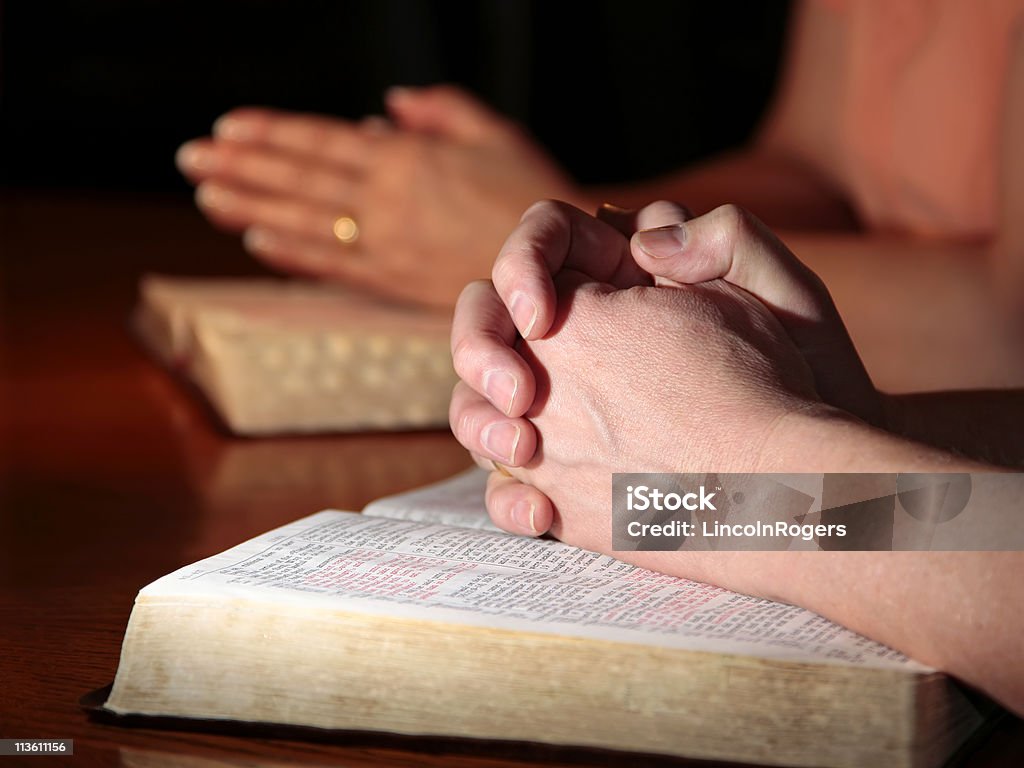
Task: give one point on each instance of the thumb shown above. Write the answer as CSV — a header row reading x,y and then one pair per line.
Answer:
x,y
731,244
444,110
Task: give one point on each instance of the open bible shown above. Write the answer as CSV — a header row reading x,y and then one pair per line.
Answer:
x,y
418,617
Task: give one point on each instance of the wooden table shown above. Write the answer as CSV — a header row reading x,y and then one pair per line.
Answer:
x,y
112,475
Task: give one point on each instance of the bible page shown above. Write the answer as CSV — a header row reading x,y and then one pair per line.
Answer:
x,y
457,500
346,561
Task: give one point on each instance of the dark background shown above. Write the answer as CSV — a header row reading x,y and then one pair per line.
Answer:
x,y
99,94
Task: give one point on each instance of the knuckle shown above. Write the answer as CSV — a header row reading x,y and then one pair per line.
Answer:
x,y
455,412
508,266
735,220
407,151
335,138
465,427
464,357
460,416
728,237
465,296
494,510
548,208
297,176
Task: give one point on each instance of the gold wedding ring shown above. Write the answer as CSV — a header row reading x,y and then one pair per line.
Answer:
x,y
501,469
346,230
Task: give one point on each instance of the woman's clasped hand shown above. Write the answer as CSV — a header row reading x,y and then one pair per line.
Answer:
x,y
286,179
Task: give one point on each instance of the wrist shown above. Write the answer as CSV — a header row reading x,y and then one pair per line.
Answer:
x,y
793,441
820,438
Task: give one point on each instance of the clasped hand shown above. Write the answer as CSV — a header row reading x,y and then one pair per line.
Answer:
x,y
433,190
643,341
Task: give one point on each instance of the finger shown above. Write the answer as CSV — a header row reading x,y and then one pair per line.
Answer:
x,y
195,159
517,507
552,236
269,172
732,244
483,338
235,208
483,462
484,430
445,110
375,125
293,253
326,139
622,220
629,220
298,236
330,261
658,214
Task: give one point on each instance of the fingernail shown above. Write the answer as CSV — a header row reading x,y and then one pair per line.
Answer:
x,y
662,242
524,313
523,513
501,439
500,388
256,239
232,128
211,196
195,157
612,208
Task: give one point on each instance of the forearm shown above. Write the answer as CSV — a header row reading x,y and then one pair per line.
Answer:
x,y
780,190
828,440
957,611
